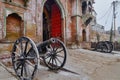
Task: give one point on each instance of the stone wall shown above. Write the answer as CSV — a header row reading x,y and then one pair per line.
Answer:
x,y
32,18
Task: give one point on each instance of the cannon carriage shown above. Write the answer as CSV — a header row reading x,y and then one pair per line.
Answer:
x,y
104,46
26,56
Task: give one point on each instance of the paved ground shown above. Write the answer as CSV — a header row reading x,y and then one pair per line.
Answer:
x,y
5,74
89,65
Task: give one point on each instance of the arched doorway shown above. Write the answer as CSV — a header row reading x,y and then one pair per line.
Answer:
x,y
52,23
84,35
14,27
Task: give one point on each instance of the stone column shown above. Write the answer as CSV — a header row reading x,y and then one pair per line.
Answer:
x,y
76,22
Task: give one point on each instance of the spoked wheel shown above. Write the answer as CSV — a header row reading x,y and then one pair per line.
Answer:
x,y
104,48
99,47
25,58
110,48
55,57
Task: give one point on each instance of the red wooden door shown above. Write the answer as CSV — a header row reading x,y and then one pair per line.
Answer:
x,y
56,22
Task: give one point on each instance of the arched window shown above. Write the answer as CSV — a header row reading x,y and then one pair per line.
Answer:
x,y
14,27
90,7
88,21
84,7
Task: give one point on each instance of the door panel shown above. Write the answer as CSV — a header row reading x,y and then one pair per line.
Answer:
x,y
56,22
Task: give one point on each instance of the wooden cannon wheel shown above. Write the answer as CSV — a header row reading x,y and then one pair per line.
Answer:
x,y
25,58
110,47
56,53
104,46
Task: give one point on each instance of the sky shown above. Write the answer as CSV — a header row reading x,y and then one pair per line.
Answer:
x,y
104,12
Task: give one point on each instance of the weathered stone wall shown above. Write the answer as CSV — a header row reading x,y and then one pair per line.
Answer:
x,y
28,16
32,17
30,20
2,20
102,36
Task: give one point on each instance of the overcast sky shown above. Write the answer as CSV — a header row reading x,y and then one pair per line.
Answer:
x,y
104,13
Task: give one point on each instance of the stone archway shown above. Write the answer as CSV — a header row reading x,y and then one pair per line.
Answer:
x,y
14,27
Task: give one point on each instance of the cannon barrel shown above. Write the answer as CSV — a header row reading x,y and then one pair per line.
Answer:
x,y
47,42
42,46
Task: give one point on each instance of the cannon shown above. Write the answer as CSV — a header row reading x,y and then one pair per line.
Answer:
x,y
104,46
26,56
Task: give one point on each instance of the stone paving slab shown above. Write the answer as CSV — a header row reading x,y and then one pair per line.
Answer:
x,y
4,74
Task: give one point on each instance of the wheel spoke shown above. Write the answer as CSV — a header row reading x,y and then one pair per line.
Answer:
x,y
58,60
22,69
16,54
29,58
21,46
59,51
18,66
49,60
47,56
25,70
30,63
59,56
52,63
18,50
26,44
56,48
